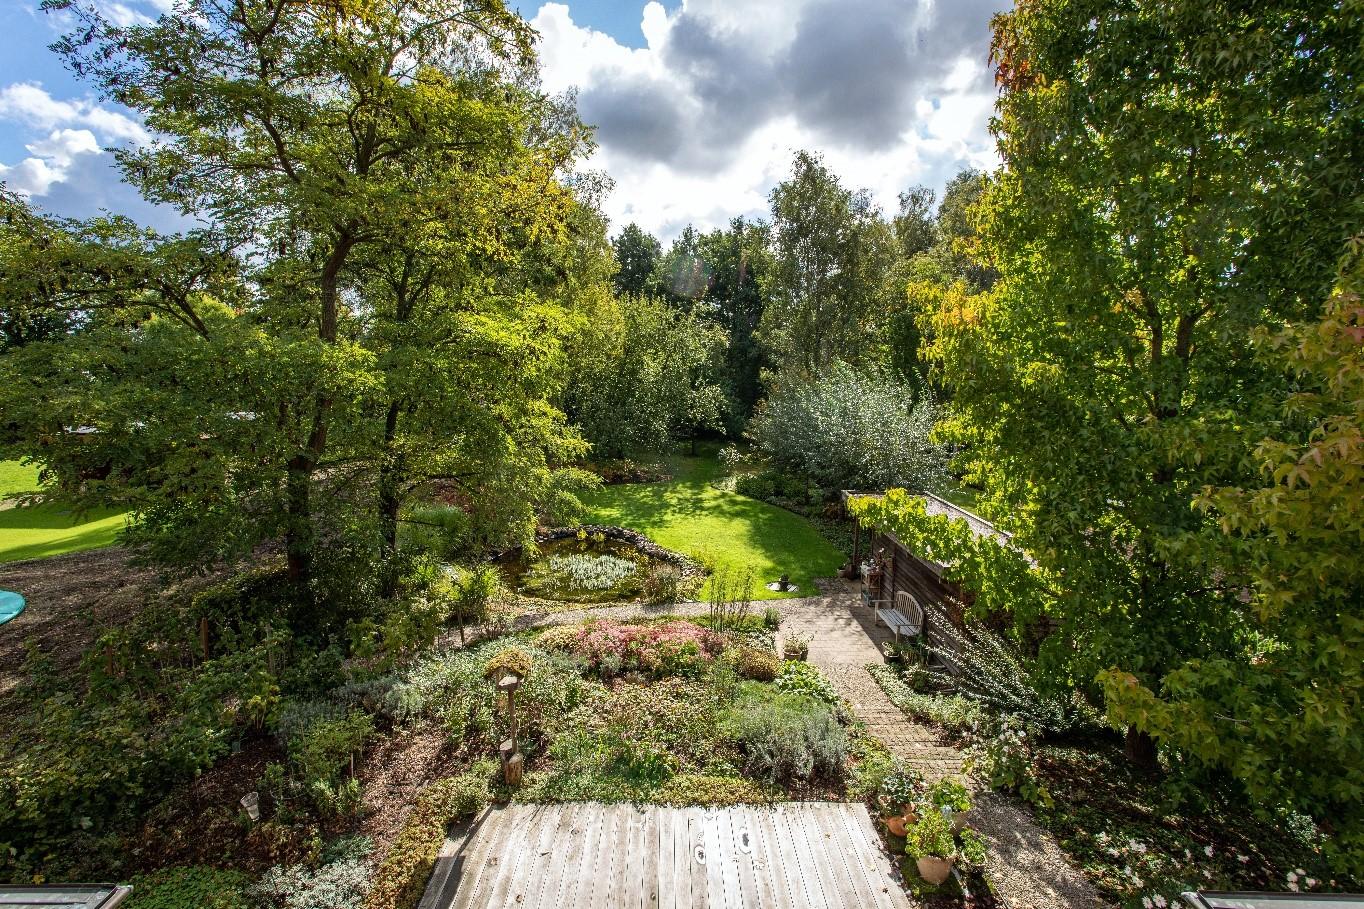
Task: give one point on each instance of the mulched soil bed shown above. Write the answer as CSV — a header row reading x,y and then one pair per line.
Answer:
x,y
72,599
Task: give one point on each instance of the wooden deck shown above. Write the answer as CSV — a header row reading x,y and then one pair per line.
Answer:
x,y
589,855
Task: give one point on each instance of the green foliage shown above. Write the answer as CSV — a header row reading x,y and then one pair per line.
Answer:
x,y
80,763
326,747
189,888
340,883
629,741
1141,229
992,671
644,375
785,738
972,849
901,786
846,429
284,409
948,796
930,835
1281,714
1006,761
831,246
403,872
801,678
951,712
637,259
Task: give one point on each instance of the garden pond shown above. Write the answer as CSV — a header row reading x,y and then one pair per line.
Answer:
x,y
591,567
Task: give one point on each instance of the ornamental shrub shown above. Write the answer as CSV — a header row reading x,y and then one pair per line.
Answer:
x,y
799,677
846,429
785,738
755,664
990,670
1006,760
326,747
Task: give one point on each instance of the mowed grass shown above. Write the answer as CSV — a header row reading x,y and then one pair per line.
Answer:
x,y
723,530
39,531
17,477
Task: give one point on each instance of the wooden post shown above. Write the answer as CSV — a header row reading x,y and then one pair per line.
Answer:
x,y
203,635
513,763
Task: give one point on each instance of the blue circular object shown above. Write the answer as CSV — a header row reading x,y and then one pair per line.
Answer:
x,y
11,604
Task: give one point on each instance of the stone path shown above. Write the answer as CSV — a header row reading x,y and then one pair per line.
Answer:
x,y
1026,867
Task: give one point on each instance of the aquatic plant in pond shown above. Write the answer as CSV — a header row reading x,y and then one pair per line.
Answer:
x,y
599,565
582,571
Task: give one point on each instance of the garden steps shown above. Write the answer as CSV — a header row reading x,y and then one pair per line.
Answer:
x,y
793,855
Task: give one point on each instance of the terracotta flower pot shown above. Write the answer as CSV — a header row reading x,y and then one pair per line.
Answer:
x,y
895,824
934,870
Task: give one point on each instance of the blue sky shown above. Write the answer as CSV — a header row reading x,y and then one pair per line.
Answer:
x,y
699,104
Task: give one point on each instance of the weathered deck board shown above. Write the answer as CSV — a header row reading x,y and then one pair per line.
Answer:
x,y
817,855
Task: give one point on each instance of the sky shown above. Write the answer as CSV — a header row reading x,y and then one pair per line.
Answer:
x,y
699,106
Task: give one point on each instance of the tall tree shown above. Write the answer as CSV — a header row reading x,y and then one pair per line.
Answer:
x,y
915,228
637,256
832,248
645,375
739,264
1148,217
321,141
684,275
956,234
1283,715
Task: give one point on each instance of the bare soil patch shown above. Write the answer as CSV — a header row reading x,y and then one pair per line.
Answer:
x,y
72,599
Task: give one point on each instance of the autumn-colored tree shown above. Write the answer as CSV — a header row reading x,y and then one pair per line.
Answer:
x,y
1283,715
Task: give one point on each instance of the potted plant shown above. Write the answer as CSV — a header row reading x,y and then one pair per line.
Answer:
x,y
952,799
796,646
899,792
931,844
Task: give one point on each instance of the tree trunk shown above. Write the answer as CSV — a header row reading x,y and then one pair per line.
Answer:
x,y
1140,749
390,473
298,532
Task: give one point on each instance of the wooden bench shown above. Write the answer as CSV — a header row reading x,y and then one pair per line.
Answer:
x,y
906,618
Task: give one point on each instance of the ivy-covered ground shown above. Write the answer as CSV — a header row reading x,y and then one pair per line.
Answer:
x,y
727,532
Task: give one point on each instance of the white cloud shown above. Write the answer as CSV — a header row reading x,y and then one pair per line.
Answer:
x,y
51,161
700,123
30,104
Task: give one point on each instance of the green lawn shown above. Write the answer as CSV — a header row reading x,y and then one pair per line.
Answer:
x,y
47,530
16,478
720,529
